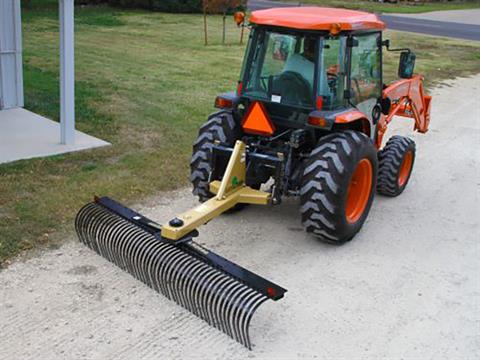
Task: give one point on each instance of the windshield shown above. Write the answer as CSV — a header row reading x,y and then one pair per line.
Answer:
x,y
282,69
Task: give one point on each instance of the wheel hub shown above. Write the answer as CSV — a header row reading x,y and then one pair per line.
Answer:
x,y
405,168
359,190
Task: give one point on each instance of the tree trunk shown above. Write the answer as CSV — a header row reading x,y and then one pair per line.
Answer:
x,y
205,30
223,33
241,35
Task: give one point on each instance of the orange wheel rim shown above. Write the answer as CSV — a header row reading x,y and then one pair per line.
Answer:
x,y
405,168
359,191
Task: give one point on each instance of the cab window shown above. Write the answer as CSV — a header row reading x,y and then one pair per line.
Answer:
x,y
332,68
365,78
282,69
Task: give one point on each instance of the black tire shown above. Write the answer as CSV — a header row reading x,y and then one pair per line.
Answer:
x,y
326,181
396,161
220,126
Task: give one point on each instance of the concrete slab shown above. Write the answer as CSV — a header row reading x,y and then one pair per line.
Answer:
x,y
26,135
470,16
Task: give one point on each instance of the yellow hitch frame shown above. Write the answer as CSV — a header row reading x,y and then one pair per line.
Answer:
x,y
228,193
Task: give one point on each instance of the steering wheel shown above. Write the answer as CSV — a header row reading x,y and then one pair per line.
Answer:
x,y
294,88
264,82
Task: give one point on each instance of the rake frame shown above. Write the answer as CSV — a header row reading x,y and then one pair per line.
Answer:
x,y
186,243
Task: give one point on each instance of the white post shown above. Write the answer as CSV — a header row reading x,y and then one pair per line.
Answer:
x,y
67,73
18,50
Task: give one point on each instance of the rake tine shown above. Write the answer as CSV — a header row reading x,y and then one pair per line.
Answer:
x,y
216,300
259,301
209,296
239,313
204,294
234,309
175,277
226,303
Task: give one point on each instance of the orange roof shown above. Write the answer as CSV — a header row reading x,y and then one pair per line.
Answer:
x,y
317,18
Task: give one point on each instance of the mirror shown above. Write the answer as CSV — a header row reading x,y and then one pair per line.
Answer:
x,y
407,64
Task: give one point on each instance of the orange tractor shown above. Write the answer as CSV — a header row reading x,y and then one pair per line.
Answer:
x,y
311,95
307,119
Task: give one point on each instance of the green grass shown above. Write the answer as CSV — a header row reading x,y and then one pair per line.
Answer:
x,y
401,7
145,83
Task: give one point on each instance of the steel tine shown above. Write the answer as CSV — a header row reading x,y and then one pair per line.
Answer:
x,y
209,298
167,250
204,292
176,274
195,291
150,265
239,312
217,298
243,315
252,310
186,280
163,268
232,311
226,303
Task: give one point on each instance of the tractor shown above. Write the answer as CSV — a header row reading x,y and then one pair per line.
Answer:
x,y
307,119
312,109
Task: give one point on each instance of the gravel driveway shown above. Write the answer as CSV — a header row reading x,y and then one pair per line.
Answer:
x,y
407,287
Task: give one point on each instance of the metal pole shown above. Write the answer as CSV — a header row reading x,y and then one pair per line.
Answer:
x,y
67,73
18,53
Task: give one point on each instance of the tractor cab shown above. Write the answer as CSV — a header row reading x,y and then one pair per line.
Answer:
x,y
302,61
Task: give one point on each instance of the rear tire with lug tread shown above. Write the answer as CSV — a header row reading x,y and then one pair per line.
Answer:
x,y
222,127
338,186
396,161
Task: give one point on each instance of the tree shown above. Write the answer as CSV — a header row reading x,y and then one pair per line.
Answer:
x,y
220,7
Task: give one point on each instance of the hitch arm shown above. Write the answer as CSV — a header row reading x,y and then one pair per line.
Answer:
x,y
228,193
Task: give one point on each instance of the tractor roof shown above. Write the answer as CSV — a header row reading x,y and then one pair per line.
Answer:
x,y
317,18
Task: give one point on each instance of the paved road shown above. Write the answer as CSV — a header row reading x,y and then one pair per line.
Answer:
x,y
433,27
402,23
468,16
267,4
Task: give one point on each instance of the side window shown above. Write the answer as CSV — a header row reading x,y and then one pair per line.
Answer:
x,y
366,68
331,83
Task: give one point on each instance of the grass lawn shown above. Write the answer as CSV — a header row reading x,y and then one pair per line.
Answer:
x,y
401,7
145,83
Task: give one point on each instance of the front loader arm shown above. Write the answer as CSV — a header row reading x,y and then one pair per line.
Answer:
x,y
408,99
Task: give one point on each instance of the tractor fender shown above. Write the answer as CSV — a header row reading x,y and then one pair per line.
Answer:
x,y
220,112
354,119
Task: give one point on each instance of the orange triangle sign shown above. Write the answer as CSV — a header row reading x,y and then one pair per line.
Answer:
x,y
257,121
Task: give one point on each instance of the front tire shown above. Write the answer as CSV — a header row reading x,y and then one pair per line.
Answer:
x,y
338,186
395,165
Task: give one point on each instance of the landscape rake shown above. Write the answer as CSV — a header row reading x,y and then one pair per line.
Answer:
x,y
210,286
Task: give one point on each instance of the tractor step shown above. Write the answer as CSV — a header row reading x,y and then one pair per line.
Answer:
x,y
213,288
